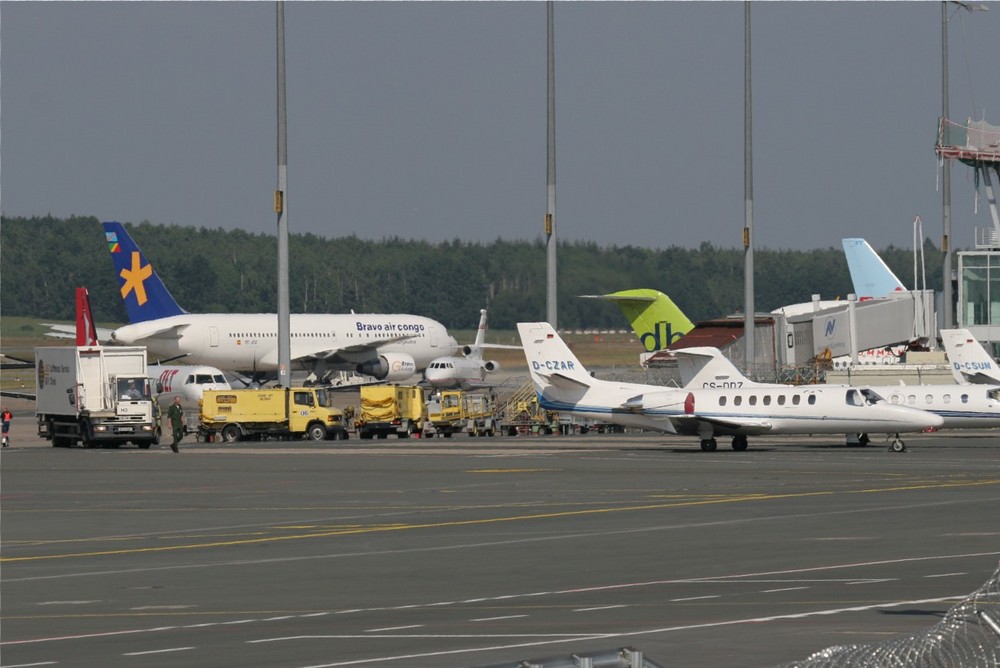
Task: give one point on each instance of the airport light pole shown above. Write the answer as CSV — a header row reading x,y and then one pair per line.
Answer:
x,y
550,171
748,304
281,208
947,296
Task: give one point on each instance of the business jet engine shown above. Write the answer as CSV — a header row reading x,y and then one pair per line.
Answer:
x,y
389,366
490,366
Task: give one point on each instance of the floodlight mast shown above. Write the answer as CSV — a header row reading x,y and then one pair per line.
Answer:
x,y
281,208
947,296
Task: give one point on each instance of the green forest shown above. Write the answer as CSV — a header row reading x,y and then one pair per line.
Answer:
x,y
43,259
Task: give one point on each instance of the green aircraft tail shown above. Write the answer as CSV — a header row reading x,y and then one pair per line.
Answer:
x,y
655,318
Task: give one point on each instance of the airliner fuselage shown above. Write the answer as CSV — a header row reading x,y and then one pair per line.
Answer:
x,y
248,342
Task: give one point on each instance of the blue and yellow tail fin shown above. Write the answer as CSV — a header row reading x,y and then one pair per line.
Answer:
x,y
654,317
145,296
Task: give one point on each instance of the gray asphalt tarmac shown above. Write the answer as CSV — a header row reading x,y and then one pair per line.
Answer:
x,y
469,552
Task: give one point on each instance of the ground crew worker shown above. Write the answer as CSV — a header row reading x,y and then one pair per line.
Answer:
x,y
5,417
176,416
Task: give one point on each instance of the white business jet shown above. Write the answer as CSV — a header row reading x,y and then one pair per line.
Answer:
x,y
565,386
959,406
469,370
390,347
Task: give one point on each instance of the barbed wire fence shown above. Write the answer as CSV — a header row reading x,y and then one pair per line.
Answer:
x,y
967,636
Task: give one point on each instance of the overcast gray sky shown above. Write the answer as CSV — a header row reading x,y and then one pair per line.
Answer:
x,y
426,120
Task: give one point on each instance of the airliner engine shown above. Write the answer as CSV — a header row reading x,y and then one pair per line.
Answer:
x,y
390,366
491,366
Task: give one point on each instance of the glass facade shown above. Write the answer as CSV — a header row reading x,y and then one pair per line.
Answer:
x,y
978,308
979,288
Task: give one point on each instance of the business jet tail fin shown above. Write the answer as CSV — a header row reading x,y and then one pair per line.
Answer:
x,y
706,367
145,296
552,365
970,361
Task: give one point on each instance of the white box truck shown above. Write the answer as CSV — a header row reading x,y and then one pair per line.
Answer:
x,y
95,395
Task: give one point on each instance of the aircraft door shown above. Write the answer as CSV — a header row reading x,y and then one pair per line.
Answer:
x,y
213,337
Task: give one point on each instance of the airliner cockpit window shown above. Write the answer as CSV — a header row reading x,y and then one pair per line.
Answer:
x,y
994,394
219,378
204,379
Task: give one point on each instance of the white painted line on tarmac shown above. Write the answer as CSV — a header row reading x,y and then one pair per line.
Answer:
x,y
604,636
29,665
394,628
775,591
944,575
158,651
493,619
692,598
603,607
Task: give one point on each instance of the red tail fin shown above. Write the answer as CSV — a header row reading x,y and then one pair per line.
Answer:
x,y
86,332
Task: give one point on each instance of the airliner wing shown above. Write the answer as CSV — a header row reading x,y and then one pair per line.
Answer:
x,y
17,395
57,331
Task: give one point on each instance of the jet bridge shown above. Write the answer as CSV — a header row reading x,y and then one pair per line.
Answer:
x,y
798,345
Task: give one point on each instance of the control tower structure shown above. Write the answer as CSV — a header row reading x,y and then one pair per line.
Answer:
x,y
977,144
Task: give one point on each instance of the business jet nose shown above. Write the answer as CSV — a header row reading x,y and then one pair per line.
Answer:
x,y
922,419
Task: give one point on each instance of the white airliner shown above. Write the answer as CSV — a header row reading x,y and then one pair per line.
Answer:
x,y
467,371
565,386
959,406
970,361
187,382
390,347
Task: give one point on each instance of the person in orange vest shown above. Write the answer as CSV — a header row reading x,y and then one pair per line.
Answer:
x,y
5,417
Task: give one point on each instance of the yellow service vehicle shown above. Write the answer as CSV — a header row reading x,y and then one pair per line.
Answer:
x,y
291,412
391,409
454,412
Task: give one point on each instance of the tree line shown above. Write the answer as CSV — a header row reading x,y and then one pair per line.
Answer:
x,y
43,259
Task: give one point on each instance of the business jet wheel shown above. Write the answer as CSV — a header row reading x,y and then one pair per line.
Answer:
x,y
863,440
739,443
897,445
708,444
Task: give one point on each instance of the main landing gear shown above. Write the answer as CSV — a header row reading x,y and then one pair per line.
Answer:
x,y
710,444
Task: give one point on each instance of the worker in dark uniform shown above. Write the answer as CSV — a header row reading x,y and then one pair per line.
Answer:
x,y
176,416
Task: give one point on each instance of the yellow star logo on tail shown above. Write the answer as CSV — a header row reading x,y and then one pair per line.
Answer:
x,y
134,278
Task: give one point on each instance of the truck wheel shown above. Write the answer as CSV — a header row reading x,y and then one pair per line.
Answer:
x,y
231,433
316,432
